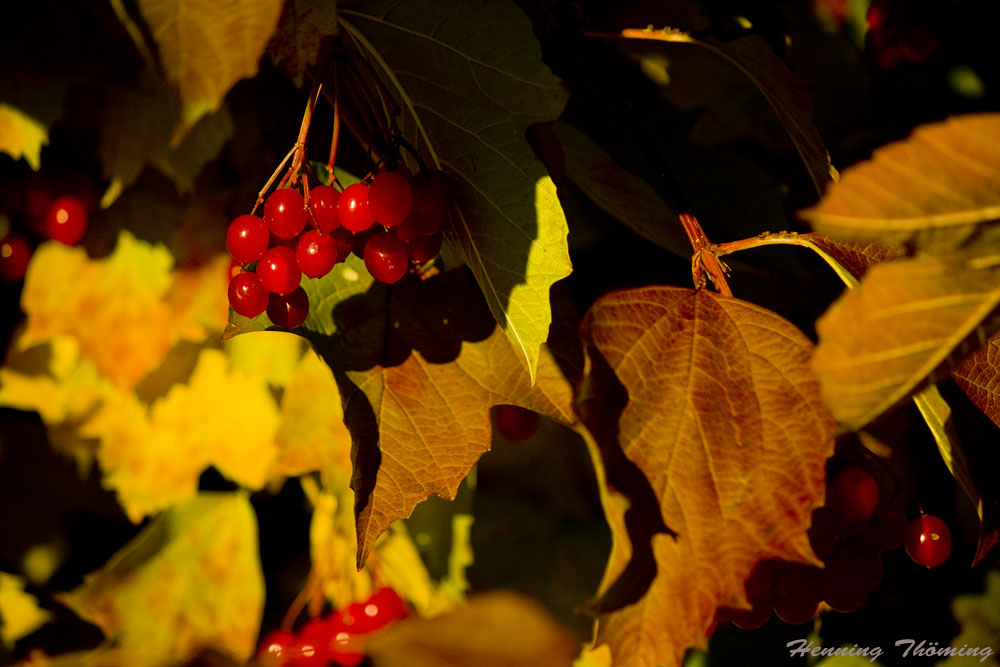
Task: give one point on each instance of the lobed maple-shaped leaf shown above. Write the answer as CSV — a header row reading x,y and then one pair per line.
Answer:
x,y
725,420
491,630
206,46
471,80
935,191
296,42
906,323
22,136
191,580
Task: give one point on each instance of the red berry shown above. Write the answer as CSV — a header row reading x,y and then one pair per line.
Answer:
x,y
386,257
277,648
352,208
878,14
928,541
344,240
285,214
853,494
917,43
313,645
795,610
886,528
360,240
15,253
823,534
290,310
425,248
390,198
853,565
247,295
753,618
247,238
278,271
761,581
323,202
384,607
316,253
346,645
516,423
66,220
431,193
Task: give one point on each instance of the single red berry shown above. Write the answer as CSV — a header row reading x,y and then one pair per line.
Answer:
x,y
878,14
316,253
853,494
431,193
323,202
278,271
384,607
247,238
247,295
312,647
928,541
285,213
917,42
344,240
352,208
66,220
347,644
15,253
277,648
761,581
883,48
823,534
386,257
516,423
425,248
288,311
390,198
753,618
795,610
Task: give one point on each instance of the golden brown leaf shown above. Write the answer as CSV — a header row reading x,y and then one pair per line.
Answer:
x,y
492,630
857,257
931,191
22,136
191,580
725,420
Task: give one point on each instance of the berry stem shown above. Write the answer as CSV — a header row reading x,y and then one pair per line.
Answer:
x,y
267,186
704,259
336,125
787,238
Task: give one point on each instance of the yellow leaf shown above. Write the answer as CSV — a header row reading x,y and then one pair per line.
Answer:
x,y
271,356
153,456
115,307
191,580
207,46
20,614
22,136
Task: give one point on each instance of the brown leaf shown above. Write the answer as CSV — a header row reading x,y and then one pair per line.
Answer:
x,y
856,257
724,419
905,322
492,630
932,191
303,25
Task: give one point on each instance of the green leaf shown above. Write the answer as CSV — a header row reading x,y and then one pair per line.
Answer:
x,y
471,81
619,193
191,580
979,617
207,46
935,191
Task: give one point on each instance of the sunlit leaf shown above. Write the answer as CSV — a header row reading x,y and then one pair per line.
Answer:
x,y
856,257
471,81
20,614
22,136
191,580
725,420
933,191
978,616
208,46
303,25
493,630
620,194
152,456
905,324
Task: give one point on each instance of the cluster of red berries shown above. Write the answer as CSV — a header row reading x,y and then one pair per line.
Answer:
x,y
337,638
848,534
391,222
899,30
63,219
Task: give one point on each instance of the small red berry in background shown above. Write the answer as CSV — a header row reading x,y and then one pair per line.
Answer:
x,y
323,202
15,253
853,494
390,198
928,541
277,648
278,270
352,208
516,423
316,253
247,238
247,295
425,248
285,214
66,220
386,257
288,311
344,241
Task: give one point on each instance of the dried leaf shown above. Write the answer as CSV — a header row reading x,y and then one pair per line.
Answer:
x,y
191,580
207,46
492,630
906,322
443,59
725,420
22,136
933,191
20,614
303,25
